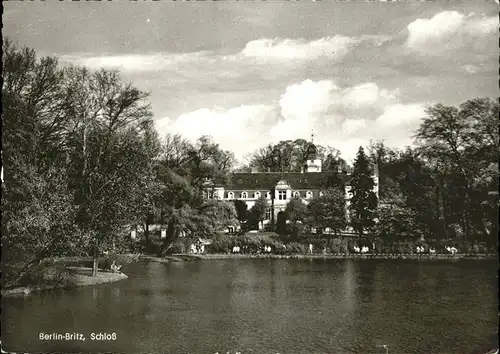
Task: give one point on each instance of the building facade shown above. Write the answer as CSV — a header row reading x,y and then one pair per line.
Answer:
x,y
280,187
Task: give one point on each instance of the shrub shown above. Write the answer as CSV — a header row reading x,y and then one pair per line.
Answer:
x,y
335,246
296,248
276,246
42,275
176,248
220,244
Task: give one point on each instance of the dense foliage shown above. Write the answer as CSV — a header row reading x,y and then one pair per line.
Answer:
x,y
328,211
363,201
83,165
257,213
291,156
447,186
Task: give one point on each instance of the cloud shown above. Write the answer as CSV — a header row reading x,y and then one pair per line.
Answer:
x,y
138,62
401,115
163,125
293,51
351,126
300,50
301,105
333,47
449,30
342,117
307,98
345,117
395,127
366,95
323,106
240,129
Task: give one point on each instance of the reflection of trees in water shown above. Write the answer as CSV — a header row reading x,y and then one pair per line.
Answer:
x,y
350,285
272,283
115,293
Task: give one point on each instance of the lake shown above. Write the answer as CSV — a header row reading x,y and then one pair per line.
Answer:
x,y
268,306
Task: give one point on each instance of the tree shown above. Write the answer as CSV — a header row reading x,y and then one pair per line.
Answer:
x,y
148,202
241,210
363,199
209,161
295,211
273,157
38,211
387,160
185,172
459,144
327,211
176,152
34,126
107,153
37,220
291,156
281,223
214,216
179,200
397,221
257,212
331,159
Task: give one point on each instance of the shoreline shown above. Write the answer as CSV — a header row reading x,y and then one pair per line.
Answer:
x,y
78,279
433,257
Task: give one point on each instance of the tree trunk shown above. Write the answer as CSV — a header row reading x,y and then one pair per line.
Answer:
x,y
95,263
146,233
170,235
440,209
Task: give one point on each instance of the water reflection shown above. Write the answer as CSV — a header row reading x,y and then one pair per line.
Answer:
x,y
349,282
287,306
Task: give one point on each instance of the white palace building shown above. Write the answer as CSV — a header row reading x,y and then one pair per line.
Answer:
x,y
249,187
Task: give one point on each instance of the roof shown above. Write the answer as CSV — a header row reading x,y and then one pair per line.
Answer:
x,y
282,184
265,181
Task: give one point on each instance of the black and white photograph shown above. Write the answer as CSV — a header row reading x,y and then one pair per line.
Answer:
x,y
250,177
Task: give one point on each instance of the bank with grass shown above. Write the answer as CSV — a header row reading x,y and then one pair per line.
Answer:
x,y
430,257
69,272
75,276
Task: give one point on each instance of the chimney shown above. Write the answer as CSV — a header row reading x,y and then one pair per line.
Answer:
x,y
269,169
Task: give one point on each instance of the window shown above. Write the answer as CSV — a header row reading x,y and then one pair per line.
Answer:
x,y
309,195
256,195
268,214
216,195
281,195
244,195
230,195
268,195
296,194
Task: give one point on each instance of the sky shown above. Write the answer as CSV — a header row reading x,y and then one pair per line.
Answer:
x,y
253,72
